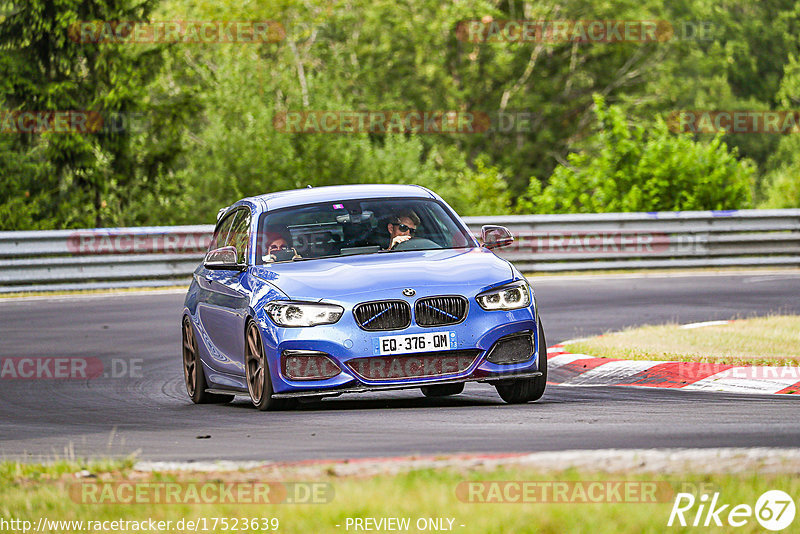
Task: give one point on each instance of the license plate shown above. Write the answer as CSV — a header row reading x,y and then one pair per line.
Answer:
x,y
411,343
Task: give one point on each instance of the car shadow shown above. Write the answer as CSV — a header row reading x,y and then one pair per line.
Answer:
x,y
353,402
350,403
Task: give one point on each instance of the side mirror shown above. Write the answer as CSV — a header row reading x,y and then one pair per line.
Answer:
x,y
496,236
223,258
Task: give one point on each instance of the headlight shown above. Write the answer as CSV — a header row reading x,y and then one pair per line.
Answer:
x,y
296,314
510,297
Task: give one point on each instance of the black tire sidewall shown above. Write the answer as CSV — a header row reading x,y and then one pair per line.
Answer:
x,y
528,389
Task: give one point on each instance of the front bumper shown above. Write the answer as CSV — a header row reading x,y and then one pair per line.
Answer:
x,y
345,341
365,388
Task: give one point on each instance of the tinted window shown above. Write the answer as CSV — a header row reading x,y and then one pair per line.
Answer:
x,y
239,235
221,233
355,227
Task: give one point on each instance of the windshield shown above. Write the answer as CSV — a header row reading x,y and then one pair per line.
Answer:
x,y
353,227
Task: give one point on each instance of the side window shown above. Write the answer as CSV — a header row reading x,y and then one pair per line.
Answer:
x,y
221,233
239,235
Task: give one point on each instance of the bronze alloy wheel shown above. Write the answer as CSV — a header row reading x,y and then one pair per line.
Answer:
x,y
189,358
255,364
193,375
257,372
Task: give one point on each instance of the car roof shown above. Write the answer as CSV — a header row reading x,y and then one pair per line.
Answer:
x,y
299,197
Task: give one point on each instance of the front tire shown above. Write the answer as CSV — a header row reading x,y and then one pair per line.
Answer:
x,y
442,390
259,383
193,375
527,389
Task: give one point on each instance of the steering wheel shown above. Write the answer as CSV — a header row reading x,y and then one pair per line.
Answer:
x,y
417,243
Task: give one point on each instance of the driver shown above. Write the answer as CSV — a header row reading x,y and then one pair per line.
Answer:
x,y
402,227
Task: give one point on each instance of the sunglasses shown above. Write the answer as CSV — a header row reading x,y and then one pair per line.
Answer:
x,y
405,228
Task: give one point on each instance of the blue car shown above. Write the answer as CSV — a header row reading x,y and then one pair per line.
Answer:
x,y
323,291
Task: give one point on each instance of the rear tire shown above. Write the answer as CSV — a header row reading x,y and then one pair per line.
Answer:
x,y
193,375
527,389
443,390
259,383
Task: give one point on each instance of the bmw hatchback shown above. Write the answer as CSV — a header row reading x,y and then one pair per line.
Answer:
x,y
319,292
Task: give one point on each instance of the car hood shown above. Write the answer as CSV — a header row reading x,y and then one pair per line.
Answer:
x,y
471,270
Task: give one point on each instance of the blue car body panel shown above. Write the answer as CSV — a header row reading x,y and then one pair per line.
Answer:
x,y
220,302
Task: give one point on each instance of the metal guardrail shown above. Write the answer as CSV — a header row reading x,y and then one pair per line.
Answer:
x,y
130,257
651,240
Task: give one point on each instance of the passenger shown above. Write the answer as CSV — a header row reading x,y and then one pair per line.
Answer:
x,y
278,249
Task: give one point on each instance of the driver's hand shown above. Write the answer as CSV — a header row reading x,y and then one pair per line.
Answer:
x,y
399,239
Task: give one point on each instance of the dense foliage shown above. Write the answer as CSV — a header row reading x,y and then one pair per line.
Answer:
x,y
584,123
641,169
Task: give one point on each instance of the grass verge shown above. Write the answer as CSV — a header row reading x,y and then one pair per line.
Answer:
x,y
31,492
773,340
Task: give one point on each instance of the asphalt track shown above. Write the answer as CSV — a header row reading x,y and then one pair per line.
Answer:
x,y
151,415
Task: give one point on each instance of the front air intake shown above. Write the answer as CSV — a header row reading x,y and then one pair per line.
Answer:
x,y
514,348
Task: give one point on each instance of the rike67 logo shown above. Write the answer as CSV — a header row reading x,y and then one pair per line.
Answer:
x,y
774,510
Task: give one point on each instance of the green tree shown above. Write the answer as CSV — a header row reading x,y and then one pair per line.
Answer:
x,y
92,178
384,54
638,168
781,185
237,150
209,108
